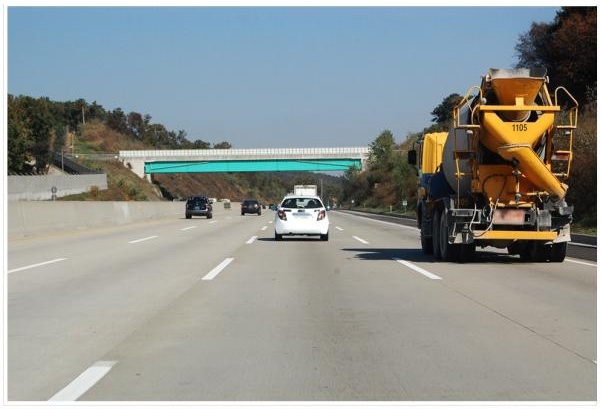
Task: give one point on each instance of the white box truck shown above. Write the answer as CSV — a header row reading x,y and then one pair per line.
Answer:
x,y
305,190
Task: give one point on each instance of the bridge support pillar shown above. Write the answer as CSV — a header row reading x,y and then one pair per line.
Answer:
x,y
136,166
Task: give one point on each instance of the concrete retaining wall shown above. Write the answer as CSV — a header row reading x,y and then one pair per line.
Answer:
x,y
40,187
38,218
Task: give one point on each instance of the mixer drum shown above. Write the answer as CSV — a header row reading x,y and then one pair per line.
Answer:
x,y
458,139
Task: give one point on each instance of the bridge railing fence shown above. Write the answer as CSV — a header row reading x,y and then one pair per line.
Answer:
x,y
247,153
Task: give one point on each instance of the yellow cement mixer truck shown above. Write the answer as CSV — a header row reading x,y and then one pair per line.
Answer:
x,y
498,177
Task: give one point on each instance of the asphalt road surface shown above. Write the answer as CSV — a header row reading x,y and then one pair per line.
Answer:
x,y
217,310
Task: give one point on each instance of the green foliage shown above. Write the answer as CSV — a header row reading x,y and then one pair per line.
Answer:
x,y
567,48
582,192
389,179
443,113
38,125
381,152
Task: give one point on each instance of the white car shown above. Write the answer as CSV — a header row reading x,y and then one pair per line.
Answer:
x,y
301,215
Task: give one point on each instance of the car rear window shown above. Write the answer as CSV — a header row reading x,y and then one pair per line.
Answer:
x,y
197,200
301,203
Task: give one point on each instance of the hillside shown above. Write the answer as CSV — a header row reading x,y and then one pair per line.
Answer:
x,y
123,184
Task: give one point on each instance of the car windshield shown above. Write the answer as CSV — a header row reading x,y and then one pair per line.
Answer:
x,y
301,203
197,200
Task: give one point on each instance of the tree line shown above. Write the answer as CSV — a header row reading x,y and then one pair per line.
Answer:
x,y
38,126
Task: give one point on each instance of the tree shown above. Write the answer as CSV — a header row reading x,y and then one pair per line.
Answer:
x,y
200,144
117,120
381,151
567,48
222,145
443,113
136,125
18,141
40,123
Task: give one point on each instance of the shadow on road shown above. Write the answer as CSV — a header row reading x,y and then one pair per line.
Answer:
x,y
416,255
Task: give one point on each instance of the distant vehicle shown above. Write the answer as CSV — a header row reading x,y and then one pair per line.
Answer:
x,y
212,200
305,190
198,206
250,206
272,206
301,215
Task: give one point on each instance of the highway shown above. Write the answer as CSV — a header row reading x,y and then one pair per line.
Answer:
x,y
216,310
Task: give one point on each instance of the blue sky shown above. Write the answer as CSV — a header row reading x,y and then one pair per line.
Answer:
x,y
261,77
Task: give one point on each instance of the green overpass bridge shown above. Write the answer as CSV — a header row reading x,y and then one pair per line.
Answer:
x,y
145,163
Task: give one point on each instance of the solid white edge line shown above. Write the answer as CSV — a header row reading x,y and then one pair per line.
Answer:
x,y
144,239
188,228
580,262
251,240
84,382
379,221
214,272
360,239
590,246
14,270
418,269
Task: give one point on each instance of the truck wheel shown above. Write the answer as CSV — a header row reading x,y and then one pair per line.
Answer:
x,y
467,252
448,252
524,251
535,251
427,246
558,252
436,235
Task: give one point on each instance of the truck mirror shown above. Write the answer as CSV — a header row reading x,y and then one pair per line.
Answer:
x,y
412,157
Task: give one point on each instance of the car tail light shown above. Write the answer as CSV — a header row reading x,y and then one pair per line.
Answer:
x,y
321,215
282,215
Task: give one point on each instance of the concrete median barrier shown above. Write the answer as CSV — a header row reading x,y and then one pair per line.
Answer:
x,y
39,218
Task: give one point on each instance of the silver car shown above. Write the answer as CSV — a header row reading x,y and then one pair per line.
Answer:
x,y
301,216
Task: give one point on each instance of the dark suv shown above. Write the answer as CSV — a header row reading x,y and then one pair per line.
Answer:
x,y
250,206
198,206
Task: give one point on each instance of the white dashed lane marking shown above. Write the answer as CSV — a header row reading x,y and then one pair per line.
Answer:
x,y
359,239
84,382
141,240
214,272
418,269
35,265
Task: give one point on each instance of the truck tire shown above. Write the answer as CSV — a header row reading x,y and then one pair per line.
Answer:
x,y
535,251
425,236
427,246
558,252
436,234
448,252
467,252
